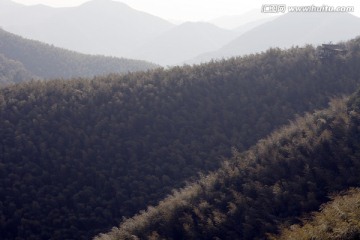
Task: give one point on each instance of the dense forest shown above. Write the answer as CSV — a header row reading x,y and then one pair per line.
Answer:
x,y
79,155
339,219
47,61
289,173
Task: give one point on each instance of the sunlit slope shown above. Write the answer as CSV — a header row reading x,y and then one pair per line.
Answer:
x,y
285,175
338,219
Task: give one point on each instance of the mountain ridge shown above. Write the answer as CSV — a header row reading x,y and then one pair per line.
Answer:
x,y
184,42
75,28
291,29
235,21
48,61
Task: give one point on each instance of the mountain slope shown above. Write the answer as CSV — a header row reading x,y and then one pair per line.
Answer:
x,y
12,71
250,25
184,42
338,219
235,21
90,151
289,173
47,61
291,29
14,14
82,28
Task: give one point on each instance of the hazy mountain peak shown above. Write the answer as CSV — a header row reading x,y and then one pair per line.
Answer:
x,y
190,23
101,4
105,10
235,21
184,42
9,3
116,30
198,25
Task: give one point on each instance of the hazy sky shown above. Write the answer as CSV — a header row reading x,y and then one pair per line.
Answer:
x,y
197,10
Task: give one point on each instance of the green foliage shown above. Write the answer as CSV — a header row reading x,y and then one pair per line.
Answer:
x,y
284,175
339,219
47,61
78,155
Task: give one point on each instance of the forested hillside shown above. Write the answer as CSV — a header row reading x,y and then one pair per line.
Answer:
x,y
283,176
12,71
339,219
78,155
47,61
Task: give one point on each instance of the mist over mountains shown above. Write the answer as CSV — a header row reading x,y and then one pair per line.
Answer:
x,y
185,41
23,59
138,35
234,22
82,28
292,29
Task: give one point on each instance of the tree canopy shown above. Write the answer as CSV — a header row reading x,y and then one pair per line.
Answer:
x,y
287,174
338,219
78,155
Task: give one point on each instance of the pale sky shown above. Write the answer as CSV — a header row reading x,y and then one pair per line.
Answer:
x,y
198,10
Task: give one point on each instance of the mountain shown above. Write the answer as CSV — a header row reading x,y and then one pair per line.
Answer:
x,y
15,14
46,61
83,28
183,42
250,25
291,29
287,174
78,155
235,21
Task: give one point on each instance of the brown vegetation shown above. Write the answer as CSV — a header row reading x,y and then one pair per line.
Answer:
x,y
339,219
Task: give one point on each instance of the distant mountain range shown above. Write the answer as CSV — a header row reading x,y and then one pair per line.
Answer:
x,y
292,29
82,28
112,28
22,59
185,41
128,33
235,21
